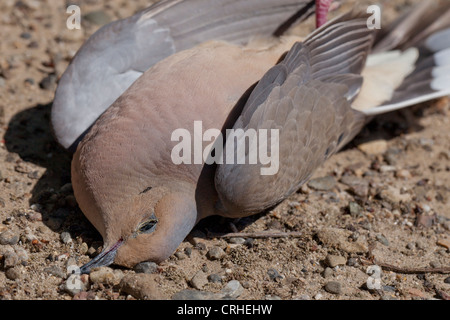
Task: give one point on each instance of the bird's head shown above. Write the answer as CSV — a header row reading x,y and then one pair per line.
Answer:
x,y
137,223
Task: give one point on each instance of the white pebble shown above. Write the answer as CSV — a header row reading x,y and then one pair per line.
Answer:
x,y
318,296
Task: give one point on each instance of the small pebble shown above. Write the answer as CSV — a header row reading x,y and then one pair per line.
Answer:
x,y
196,236
33,45
29,81
199,280
334,287
374,147
447,280
403,174
85,295
411,246
91,251
237,240
13,273
416,292
200,246
328,272
141,286
55,271
382,239
232,290
426,208
424,142
71,262
318,296
180,255
35,216
355,209
274,275
446,225
338,238
215,253
188,251
421,245
215,278
249,242
66,238
435,264
335,260
146,267
105,275
322,184
10,259
33,175
384,169
48,82
394,196
358,186
352,262
8,237
21,254
389,288
84,248
391,156
25,35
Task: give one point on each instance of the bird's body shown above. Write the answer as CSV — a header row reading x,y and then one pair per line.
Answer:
x,y
318,96
214,71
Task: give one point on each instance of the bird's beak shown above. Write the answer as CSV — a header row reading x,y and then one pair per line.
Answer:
x,y
105,258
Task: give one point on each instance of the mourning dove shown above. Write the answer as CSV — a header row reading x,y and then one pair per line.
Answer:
x,y
314,95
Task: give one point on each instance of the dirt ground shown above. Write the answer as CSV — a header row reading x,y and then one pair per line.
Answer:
x,y
385,196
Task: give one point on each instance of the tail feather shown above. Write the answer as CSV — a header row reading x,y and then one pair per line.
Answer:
x,y
430,81
417,24
430,77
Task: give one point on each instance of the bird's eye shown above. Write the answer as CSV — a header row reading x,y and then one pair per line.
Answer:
x,y
149,225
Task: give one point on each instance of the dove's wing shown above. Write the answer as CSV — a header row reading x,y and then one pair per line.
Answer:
x,y
398,79
118,53
306,101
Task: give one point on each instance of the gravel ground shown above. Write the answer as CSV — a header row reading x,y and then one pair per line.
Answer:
x,y
385,197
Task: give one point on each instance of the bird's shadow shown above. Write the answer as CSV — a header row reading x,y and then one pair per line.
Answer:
x,y
30,136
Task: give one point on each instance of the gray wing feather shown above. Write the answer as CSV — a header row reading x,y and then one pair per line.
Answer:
x,y
312,113
118,53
